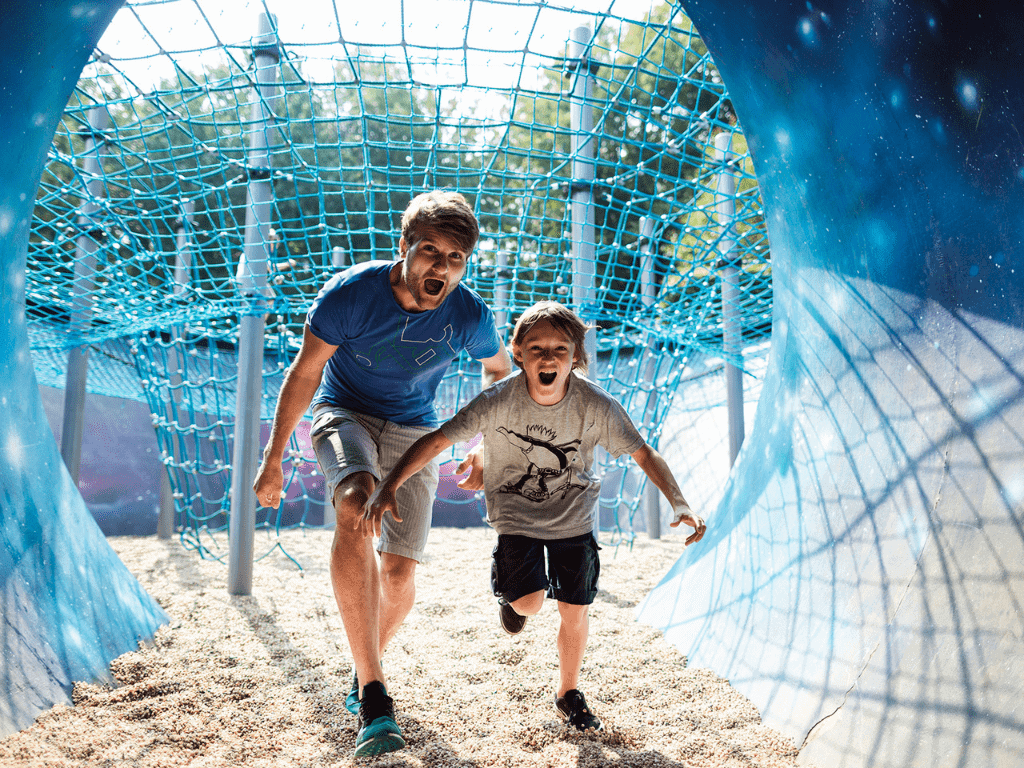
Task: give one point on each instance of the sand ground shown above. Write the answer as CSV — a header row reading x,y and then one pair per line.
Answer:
x,y
261,680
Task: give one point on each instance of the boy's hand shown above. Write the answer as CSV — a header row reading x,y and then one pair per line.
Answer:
x,y
683,514
382,501
474,462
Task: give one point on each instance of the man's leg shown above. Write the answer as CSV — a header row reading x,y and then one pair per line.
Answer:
x,y
397,594
355,577
402,544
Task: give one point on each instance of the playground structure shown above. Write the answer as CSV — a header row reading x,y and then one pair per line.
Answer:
x,y
860,580
227,188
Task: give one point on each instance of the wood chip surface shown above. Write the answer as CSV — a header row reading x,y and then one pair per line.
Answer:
x,y
261,680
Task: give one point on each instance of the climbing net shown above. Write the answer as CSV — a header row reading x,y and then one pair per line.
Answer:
x,y
562,124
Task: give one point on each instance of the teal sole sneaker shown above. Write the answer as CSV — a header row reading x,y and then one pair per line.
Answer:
x,y
380,736
352,700
378,731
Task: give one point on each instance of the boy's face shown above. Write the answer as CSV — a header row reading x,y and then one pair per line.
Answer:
x,y
546,356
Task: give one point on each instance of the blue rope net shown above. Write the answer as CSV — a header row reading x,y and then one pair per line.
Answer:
x,y
139,231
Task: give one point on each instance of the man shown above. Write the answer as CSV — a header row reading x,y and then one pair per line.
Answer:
x,y
377,341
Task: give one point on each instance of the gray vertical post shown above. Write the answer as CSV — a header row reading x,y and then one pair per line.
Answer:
x,y
252,284
581,124
501,283
183,249
338,258
648,296
732,334
338,261
182,278
73,424
581,121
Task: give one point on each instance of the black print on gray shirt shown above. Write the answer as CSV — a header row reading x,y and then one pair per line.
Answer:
x,y
549,463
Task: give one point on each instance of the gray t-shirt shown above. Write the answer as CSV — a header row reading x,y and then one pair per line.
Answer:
x,y
538,459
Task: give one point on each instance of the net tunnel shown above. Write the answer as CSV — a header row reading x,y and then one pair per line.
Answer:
x,y
861,579
68,606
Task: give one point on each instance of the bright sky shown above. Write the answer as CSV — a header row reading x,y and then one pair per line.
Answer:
x,y
497,31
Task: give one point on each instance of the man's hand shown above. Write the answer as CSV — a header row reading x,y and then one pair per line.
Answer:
x,y
474,462
269,484
382,501
683,514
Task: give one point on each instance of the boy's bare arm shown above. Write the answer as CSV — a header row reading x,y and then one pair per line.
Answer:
x,y
655,467
412,461
494,369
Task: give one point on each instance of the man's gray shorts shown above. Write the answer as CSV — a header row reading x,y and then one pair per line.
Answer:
x,y
346,441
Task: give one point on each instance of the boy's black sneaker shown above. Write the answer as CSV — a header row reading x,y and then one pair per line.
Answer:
x,y
378,731
511,621
574,710
352,700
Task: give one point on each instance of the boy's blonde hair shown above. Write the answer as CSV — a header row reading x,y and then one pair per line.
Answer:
x,y
563,319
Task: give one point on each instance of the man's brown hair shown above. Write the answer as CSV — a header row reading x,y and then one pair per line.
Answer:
x,y
563,319
442,211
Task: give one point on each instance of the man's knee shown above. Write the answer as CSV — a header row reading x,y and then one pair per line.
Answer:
x,y
352,494
397,573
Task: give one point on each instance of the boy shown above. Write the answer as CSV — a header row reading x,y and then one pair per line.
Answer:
x,y
540,428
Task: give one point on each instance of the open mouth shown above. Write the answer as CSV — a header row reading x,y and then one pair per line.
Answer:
x,y
547,378
433,287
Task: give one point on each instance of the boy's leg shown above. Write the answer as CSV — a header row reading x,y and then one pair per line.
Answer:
x,y
573,632
518,579
573,569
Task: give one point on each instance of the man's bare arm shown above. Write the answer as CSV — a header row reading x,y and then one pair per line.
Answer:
x,y
300,384
496,368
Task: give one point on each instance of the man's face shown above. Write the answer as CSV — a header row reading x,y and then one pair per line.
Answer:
x,y
431,268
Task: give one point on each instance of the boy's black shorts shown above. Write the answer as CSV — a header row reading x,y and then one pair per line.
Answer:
x,y
573,566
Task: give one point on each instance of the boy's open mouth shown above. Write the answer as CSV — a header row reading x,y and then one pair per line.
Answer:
x,y
432,286
547,378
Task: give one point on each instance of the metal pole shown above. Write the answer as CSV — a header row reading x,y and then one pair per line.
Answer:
x,y
732,333
183,248
338,261
253,285
581,121
182,278
73,424
501,283
581,124
652,496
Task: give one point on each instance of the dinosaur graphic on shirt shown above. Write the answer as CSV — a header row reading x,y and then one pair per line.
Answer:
x,y
548,462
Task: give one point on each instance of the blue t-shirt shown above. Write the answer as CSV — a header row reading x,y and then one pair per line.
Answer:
x,y
389,361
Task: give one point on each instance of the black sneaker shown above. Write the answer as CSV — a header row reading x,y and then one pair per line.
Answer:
x,y
511,621
574,710
352,700
378,731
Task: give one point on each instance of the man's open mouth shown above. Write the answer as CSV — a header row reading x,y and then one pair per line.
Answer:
x,y
433,287
547,378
